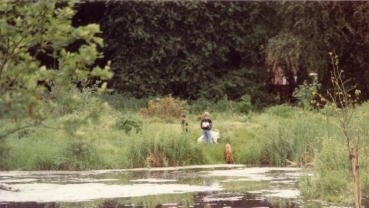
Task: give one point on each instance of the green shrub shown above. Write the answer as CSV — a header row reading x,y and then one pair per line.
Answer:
x,y
164,108
306,94
244,105
127,124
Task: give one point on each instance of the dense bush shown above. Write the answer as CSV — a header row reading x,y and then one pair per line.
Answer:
x,y
165,108
244,105
223,60
307,95
127,124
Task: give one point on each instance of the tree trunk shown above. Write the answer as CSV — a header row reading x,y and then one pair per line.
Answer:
x,y
354,160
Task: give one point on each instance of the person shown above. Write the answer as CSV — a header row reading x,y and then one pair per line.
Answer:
x,y
206,125
184,123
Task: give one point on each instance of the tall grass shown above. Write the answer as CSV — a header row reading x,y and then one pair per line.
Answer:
x,y
332,180
281,135
123,102
121,139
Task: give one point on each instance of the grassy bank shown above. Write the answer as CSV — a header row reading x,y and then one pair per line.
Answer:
x,y
123,138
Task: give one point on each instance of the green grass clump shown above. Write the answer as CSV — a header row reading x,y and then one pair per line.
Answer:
x,y
164,149
37,151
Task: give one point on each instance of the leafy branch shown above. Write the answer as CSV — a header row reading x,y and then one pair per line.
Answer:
x,y
342,98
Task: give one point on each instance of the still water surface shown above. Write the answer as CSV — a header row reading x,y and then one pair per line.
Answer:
x,y
214,186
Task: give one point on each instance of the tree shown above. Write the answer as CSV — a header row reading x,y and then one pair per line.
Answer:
x,y
312,29
30,33
341,96
189,49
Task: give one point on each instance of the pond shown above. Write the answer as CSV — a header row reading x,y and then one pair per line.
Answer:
x,y
204,186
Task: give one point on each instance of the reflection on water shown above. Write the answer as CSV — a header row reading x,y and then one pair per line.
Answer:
x,y
200,187
29,205
237,200
199,200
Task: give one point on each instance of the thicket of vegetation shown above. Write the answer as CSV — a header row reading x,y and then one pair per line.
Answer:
x,y
38,64
210,56
197,49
